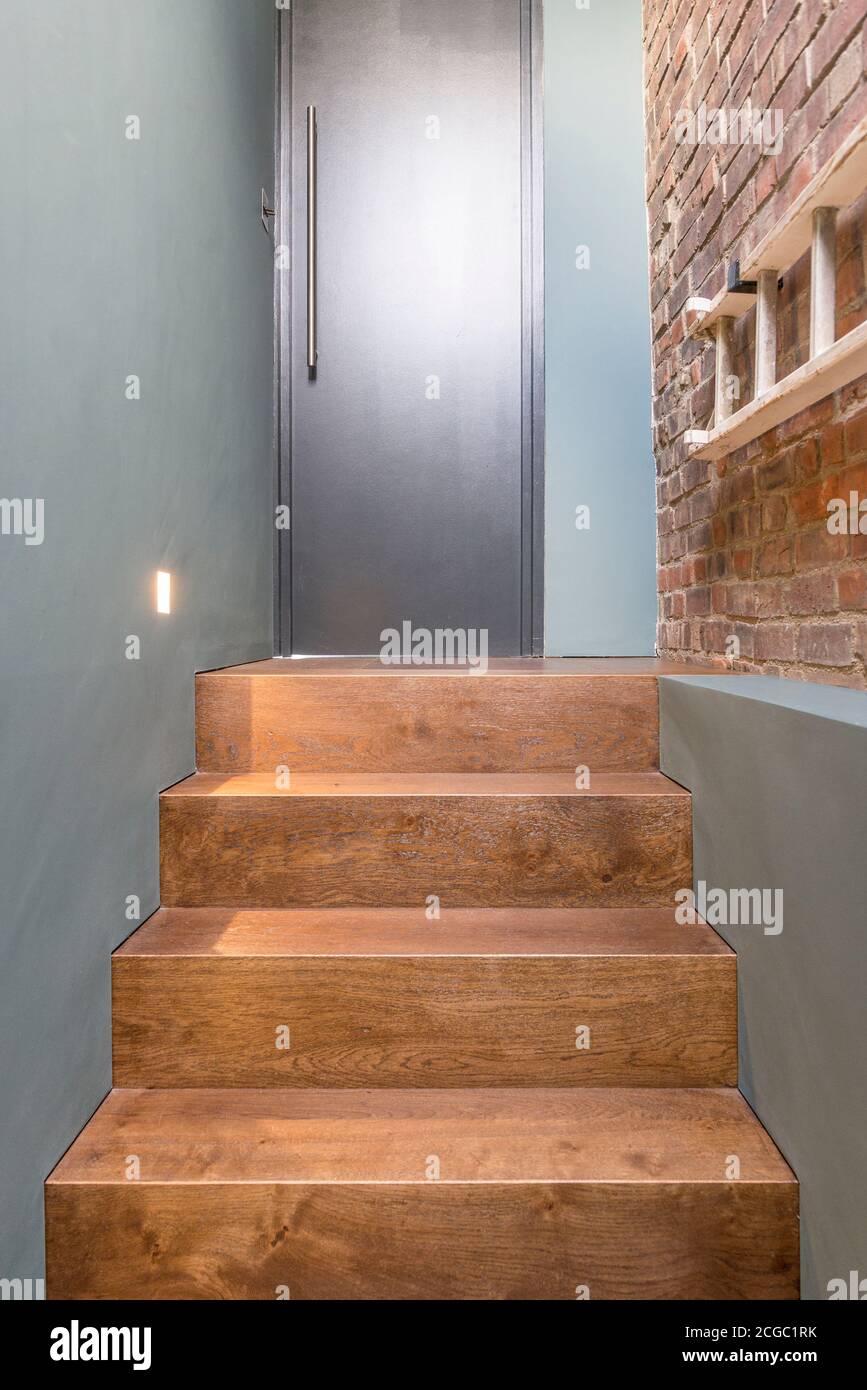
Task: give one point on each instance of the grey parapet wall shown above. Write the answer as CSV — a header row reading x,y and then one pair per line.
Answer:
x,y
135,140
778,773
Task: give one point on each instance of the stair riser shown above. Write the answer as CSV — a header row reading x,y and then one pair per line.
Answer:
x,y
607,851
412,1022
405,723
423,1241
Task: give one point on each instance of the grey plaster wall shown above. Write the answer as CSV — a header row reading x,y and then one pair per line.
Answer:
x,y
778,772
121,257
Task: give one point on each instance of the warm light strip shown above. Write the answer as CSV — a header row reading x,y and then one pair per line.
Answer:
x,y
164,591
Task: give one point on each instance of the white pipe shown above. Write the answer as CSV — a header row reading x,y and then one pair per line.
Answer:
x,y
823,281
766,331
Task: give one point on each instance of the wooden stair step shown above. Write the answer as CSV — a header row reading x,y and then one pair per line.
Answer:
x,y
386,997
470,839
361,716
329,1195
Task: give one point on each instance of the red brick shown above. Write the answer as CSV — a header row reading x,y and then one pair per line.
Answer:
x,y
737,487
775,556
854,480
834,34
769,599
746,637
744,547
856,435
777,472
697,602
745,524
807,458
810,503
814,417
811,593
774,642
826,644
852,588
845,73
695,570
850,281
741,600
702,505
832,445
774,513
819,547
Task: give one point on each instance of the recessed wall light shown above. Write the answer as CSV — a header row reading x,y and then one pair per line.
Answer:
x,y
164,591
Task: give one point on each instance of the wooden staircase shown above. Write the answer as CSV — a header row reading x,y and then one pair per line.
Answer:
x,y
416,1019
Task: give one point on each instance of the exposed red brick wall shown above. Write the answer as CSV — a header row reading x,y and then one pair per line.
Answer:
x,y
744,546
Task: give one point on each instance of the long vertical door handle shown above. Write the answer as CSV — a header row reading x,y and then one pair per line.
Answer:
x,y
312,352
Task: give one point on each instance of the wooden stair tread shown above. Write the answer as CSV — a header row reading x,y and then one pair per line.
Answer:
x,y
393,839
650,667
583,1136
386,998
296,1045
218,933
308,716
428,784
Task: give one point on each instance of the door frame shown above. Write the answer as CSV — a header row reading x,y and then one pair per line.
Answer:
x,y
532,334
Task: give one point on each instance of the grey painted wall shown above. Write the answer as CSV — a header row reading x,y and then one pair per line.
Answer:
x,y
119,257
777,772
600,589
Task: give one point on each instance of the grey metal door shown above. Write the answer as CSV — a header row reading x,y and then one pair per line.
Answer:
x,y
407,454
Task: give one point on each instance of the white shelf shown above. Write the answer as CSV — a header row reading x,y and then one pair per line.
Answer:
x,y
839,183
810,222
727,304
823,374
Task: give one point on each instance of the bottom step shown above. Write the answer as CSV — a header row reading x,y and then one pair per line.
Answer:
x,y
505,1194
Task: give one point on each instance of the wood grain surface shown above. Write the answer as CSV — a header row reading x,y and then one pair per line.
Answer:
x,y
518,1241
480,1135
407,722
243,1193
431,1131
472,840
396,1000
469,931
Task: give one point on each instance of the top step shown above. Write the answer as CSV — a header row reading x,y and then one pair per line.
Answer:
x,y
357,715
